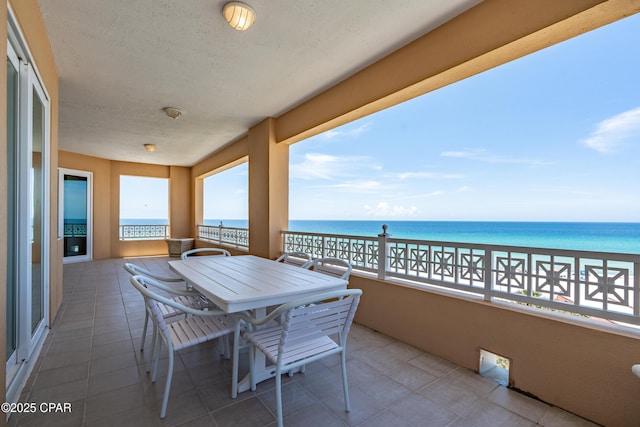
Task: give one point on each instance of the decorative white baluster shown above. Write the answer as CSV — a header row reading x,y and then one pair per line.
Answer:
x,y
383,253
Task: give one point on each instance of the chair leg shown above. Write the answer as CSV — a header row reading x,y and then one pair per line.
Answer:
x,y
345,385
252,362
167,387
153,347
144,330
279,396
156,361
227,347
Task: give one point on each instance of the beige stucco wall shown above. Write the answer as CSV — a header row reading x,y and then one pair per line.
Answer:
x,y
106,203
101,170
181,206
582,368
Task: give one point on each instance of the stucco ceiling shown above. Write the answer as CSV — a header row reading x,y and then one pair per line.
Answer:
x,y
121,61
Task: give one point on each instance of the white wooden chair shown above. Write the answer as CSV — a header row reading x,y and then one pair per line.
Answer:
x,y
303,337
294,258
205,252
188,298
332,266
199,327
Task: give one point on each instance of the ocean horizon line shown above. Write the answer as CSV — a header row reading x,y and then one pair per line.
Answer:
x,y
597,236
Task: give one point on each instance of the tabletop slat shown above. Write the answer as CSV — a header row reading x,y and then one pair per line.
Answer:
x,y
248,282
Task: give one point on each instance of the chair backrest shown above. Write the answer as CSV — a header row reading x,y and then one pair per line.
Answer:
x,y
134,270
324,315
331,266
294,258
151,300
205,251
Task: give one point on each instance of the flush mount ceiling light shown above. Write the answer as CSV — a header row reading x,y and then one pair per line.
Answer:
x,y
172,112
239,15
149,147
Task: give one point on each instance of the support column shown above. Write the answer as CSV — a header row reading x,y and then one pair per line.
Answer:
x,y
268,190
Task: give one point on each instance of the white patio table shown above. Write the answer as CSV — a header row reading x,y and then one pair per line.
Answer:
x,y
248,282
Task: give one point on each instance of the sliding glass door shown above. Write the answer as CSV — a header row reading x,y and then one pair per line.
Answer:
x,y
27,204
75,213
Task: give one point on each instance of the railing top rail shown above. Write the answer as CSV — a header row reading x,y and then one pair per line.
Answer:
x,y
347,236
505,248
223,227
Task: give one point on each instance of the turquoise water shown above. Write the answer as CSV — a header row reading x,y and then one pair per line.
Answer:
x,y
588,236
603,237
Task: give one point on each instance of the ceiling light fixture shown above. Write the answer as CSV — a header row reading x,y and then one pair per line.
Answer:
x,y
172,112
239,15
149,147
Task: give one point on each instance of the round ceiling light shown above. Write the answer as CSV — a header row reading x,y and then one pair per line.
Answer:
x,y
149,147
172,112
239,15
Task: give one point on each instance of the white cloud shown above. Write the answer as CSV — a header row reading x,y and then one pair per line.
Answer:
x,y
383,209
611,133
421,175
346,132
360,186
486,157
327,167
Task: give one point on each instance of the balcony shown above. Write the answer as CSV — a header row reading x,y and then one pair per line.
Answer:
x,y
91,360
430,309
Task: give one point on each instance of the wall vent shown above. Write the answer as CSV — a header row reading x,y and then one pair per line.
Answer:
x,y
494,366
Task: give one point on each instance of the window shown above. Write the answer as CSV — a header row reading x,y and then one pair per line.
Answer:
x,y
144,208
225,197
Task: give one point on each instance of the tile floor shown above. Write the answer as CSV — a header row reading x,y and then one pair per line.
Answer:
x,y
92,360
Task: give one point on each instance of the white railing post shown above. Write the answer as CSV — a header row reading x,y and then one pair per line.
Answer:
x,y
636,288
488,274
384,250
220,233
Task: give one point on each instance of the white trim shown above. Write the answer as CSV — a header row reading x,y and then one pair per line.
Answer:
x,y
89,175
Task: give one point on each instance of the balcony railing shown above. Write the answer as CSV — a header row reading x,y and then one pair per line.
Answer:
x,y
144,232
75,230
230,236
593,284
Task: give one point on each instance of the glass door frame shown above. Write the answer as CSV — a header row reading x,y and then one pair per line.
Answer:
x,y
30,332
89,176
12,360
30,87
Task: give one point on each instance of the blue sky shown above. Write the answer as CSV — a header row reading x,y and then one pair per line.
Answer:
x,y
554,136
144,198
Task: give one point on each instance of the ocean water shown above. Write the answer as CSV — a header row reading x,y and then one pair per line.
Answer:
x,y
587,236
602,237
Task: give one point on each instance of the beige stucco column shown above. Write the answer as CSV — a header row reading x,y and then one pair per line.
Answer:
x,y
268,190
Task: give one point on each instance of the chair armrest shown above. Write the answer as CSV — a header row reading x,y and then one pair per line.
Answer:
x,y
137,281
297,303
168,289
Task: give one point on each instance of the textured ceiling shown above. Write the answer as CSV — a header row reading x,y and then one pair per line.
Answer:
x,y
121,61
